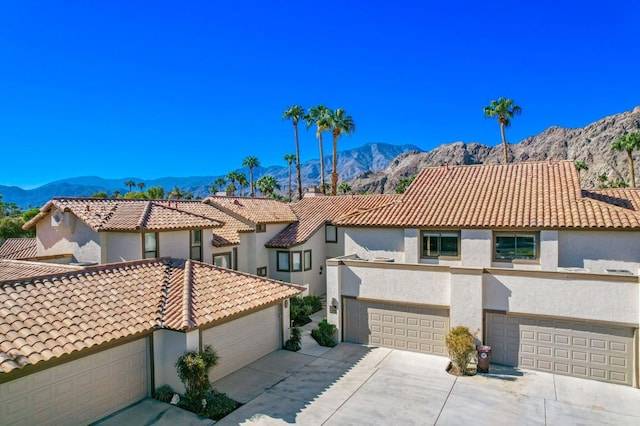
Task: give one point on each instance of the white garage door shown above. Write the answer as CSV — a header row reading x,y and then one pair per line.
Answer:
x,y
417,329
78,392
242,341
573,348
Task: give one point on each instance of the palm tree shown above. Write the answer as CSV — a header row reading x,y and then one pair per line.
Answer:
x,y
176,193
251,162
141,185
242,182
344,187
130,184
155,192
289,159
219,182
340,123
318,115
504,110
233,177
267,184
115,194
295,113
628,142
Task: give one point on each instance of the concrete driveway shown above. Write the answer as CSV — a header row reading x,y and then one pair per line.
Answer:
x,y
355,384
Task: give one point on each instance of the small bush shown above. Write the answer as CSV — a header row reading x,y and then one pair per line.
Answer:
x,y
299,312
314,302
294,344
461,347
164,393
218,405
325,334
193,370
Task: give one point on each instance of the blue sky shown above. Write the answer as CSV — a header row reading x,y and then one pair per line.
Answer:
x,y
150,89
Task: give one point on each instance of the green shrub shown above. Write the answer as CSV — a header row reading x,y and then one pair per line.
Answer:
x,y
461,347
218,405
193,370
294,344
164,393
299,312
314,302
324,334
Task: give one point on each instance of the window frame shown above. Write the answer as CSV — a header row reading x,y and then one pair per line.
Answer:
x,y
144,245
326,233
440,233
279,267
307,266
294,254
192,244
226,254
261,227
261,271
516,235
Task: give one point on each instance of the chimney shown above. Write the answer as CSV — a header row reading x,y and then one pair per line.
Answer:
x,y
550,161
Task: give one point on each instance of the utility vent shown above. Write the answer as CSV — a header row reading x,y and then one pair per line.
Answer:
x,y
382,259
83,263
573,269
618,272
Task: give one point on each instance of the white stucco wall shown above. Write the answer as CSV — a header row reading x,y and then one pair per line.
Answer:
x,y
599,250
564,295
333,249
476,247
168,346
71,236
412,245
121,246
174,244
375,242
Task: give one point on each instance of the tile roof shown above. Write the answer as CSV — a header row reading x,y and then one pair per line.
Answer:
x,y
315,212
18,248
51,316
11,269
519,195
255,210
147,215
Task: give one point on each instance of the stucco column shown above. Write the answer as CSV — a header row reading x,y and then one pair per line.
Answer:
x,y
466,299
411,246
549,250
334,291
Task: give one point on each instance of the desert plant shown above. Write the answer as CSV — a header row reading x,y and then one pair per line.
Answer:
x,y
324,334
294,344
461,347
314,302
164,393
193,370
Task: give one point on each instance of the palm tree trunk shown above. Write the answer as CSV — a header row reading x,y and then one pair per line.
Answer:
x,y
632,172
295,129
321,163
334,172
251,181
504,144
290,183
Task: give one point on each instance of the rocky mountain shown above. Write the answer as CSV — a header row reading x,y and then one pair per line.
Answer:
x,y
591,144
351,163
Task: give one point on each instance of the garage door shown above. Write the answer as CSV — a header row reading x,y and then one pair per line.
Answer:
x,y
415,329
242,341
573,348
78,392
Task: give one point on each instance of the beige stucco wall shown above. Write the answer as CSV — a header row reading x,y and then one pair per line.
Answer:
x,y
121,246
375,242
168,346
599,250
71,236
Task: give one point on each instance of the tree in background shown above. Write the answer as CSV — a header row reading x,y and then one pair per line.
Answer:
x,y
403,184
267,184
176,193
115,194
231,189
503,110
580,166
318,115
233,177
628,142
251,162
100,194
219,183
130,184
242,182
340,123
289,158
155,192
344,187
141,185
295,113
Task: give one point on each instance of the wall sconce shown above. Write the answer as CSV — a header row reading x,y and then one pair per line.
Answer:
x,y
286,303
320,270
333,308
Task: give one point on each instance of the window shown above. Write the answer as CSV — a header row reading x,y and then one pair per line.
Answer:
x,y
222,260
330,234
261,227
235,258
296,261
307,260
283,261
515,246
436,244
195,242
150,245
262,271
